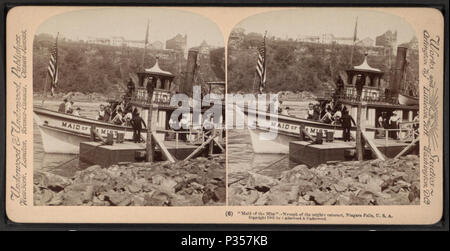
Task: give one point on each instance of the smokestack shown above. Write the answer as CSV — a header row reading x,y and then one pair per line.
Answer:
x,y
191,68
399,69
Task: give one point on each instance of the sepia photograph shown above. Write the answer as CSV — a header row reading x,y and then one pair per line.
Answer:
x,y
225,115
122,101
333,113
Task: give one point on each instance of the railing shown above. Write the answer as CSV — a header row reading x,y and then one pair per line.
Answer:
x,y
406,132
161,97
367,95
195,137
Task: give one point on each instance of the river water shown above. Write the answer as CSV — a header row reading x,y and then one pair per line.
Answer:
x,y
61,164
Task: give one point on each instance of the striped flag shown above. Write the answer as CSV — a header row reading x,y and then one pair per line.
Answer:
x,y
261,65
53,66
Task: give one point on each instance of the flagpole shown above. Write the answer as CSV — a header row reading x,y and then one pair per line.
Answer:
x,y
44,95
263,77
46,75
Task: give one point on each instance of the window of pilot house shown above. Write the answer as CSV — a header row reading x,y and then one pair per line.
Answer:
x,y
405,116
166,84
158,83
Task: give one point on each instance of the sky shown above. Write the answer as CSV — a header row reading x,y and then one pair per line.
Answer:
x,y
131,23
340,22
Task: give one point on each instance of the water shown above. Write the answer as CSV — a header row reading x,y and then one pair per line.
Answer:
x,y
241,158
60,164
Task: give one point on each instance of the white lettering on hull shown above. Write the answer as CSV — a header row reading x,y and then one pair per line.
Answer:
x,y
84,129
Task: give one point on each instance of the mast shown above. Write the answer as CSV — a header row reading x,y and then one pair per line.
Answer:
x,y
145,44
354,42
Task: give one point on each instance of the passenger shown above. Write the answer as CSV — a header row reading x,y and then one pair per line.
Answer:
x,y
184,125
346,122
280,106
323,110
70,111
337,116
68,107
310,111
137,123
339,86
381,120
173,124
127,118
380,124
130,87
327,118
332,104
416,121
118,119
76,112
135,112
393,122
107,116
62,106
101,113
316,115
285,111
113,110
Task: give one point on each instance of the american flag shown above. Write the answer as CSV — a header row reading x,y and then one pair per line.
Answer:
x,y
261,65
53,66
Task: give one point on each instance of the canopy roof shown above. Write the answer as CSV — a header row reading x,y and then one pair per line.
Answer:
x,y
156,70
365,67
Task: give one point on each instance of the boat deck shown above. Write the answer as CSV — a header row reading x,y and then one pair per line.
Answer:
x,y
106,155
315,154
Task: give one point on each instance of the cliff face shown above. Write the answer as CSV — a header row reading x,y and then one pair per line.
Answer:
x,y
89,68
304,66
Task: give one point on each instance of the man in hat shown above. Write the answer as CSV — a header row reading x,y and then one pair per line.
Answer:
x,y
359,86
136,123
131,87
346,122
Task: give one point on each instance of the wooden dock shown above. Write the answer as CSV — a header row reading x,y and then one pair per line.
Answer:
x,y
315,154
106,155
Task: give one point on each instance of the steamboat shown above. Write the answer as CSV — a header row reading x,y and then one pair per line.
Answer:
x,y
375,102
63,133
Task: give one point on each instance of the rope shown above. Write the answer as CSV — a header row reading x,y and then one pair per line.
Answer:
x,y
77,156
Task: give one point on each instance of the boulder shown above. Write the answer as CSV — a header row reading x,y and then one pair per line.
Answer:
x,y
262,182
321,198
55,183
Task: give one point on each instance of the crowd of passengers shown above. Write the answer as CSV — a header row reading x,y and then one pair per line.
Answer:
x,y
329,112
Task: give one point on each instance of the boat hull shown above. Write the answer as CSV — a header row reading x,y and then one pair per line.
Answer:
x,y
407,100
63,133
286,129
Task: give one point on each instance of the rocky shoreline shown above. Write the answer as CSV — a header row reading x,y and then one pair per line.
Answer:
x,y
196,182
373,182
